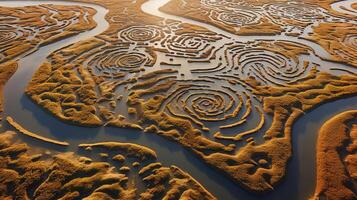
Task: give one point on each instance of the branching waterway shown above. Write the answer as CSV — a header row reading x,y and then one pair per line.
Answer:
x,y
300,180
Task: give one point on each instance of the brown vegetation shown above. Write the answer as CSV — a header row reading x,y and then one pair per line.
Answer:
x,y
29,173
6,71
22,130
336,159
86,82
339,39
27,28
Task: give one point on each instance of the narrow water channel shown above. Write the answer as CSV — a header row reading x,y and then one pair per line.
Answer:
x,y
299,182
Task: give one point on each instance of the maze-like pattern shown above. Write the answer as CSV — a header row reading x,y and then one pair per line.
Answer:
x,y
340,40
232,102
141,34
24,29
300,12
236,18
251,17
272,63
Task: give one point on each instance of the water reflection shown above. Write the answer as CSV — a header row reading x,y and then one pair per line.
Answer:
x,y
298,184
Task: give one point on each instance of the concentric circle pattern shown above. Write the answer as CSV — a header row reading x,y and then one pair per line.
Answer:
x,y
120,61
8,34
238,17
350,40
226,79
141,34
220,3
266,62
296,11
204,103
191,45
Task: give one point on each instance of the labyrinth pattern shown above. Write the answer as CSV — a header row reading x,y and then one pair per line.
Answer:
x,y
25,29
231,98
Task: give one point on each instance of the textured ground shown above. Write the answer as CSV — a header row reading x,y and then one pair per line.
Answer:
x,y
336,157
122,171
199,88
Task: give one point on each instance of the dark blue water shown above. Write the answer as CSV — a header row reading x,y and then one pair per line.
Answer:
x,y
299,181
298,184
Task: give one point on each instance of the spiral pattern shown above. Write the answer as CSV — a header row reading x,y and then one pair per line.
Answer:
x,y
8,34
203,103
220,3
270,67
116,59
297,11
191,45
350,40
141,34
237,18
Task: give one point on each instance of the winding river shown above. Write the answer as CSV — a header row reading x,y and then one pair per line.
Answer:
x,y
299,181
345,6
